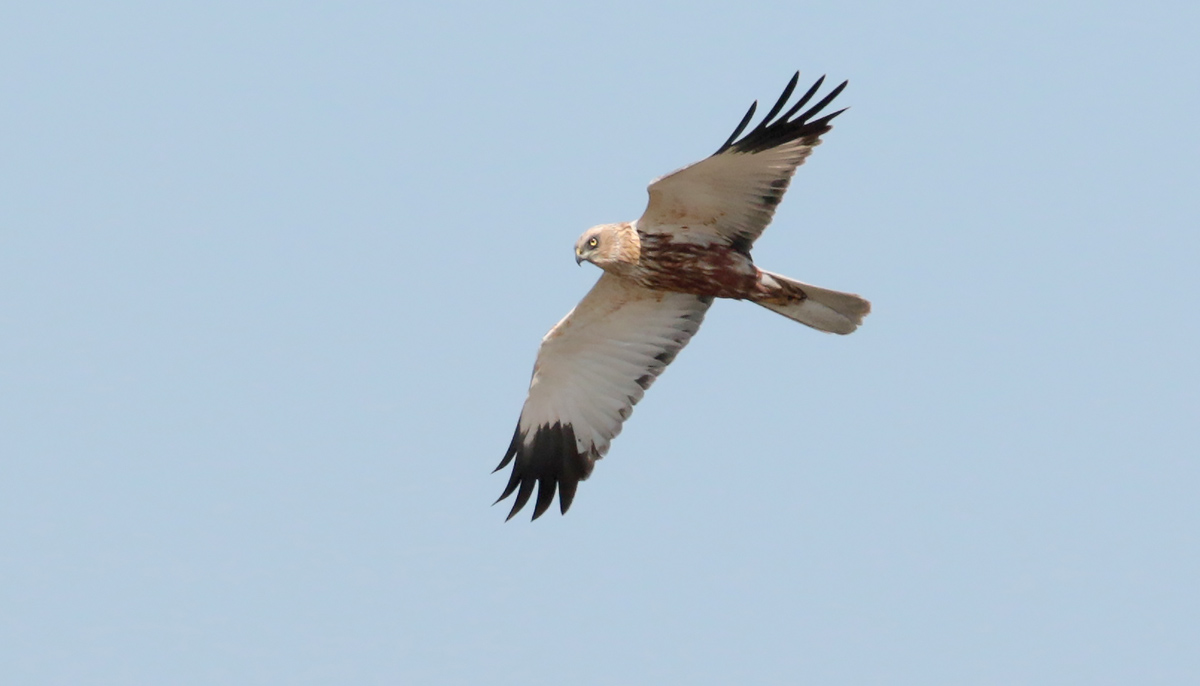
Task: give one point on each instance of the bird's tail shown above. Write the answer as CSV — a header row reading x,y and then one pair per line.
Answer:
x,y
822,309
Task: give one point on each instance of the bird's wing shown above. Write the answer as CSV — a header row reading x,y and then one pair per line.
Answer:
x,y
592,368
731,196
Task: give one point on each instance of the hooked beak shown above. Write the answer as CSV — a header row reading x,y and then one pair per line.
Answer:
x,y
578,257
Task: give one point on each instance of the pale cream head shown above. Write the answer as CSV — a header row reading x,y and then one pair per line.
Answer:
x,y
608,245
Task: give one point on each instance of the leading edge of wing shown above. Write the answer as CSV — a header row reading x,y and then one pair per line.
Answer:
x,y
772,132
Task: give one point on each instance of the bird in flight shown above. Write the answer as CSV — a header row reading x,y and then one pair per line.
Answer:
x,y
661,274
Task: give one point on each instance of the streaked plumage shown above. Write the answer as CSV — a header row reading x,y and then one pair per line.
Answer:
x,y
662,273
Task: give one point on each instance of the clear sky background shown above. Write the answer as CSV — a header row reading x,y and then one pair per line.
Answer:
x,y
272,280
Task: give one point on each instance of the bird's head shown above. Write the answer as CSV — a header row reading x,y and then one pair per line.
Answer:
x,y
605,245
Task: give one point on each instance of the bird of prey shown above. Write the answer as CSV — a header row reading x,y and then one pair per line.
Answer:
x,y
661,274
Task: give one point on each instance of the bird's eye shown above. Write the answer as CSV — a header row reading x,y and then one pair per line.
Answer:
x,y
593,242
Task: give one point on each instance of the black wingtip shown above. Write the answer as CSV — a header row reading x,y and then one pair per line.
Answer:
x,y
513,446
808,94
827,99
547,486
523,494
551,461
824,121
787,93
776,130
740,127
566,494
512,513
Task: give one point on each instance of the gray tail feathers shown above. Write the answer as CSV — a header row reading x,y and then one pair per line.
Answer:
x,y
820,308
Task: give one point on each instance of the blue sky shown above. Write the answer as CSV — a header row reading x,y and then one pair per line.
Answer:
x,y
272,279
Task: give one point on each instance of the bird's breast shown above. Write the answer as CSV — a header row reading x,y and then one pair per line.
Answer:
x,y
706,269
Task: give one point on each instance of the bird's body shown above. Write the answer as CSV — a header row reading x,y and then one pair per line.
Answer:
x,y
717,271
662,272
659,261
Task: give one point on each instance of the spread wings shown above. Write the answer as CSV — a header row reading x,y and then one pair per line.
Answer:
x,y
592,368
731,196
